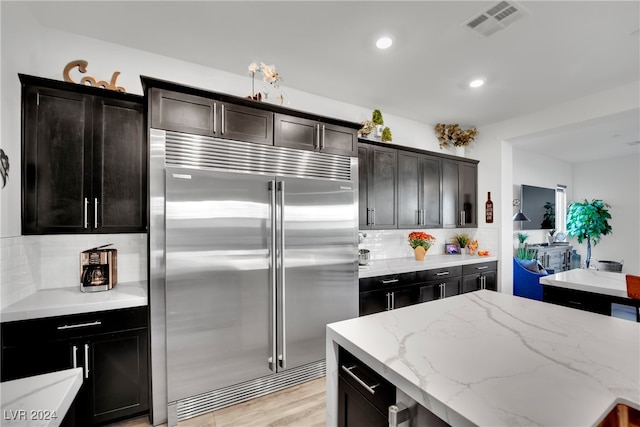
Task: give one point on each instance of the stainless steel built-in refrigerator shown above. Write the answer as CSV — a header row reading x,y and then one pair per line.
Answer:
x,y
260,254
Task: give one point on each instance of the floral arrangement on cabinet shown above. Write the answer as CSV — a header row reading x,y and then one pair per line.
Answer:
x,y
269,75
453,135
420,242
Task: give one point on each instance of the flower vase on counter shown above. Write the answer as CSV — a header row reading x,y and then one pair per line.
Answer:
x,y
420,242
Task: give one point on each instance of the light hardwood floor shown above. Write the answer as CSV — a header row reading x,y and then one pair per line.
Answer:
x,y
298,406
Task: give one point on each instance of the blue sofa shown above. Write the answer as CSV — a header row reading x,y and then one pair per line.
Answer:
x,y
526,283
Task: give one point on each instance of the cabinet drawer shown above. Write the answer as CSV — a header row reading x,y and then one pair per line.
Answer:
x,y
577,299
375,389
479,267
438,273
73,326
388,281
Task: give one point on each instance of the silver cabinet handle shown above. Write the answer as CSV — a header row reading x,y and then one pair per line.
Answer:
x,y
274,278
398,414
441,290
86,361
79,325
86,218
388,301
482,282
317,141
215,117
484,267
393,300
386,282
442,273
74,355
369,388
95,213
222,119
322,140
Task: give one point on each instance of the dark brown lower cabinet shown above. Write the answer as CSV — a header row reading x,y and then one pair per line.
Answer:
x,y
111,347
581,300
439,289
364,396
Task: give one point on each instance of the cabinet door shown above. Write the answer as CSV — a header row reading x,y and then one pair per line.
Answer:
x,y
429,292
439,289
56,153
409,194
404,297
382,188
354,410
37,358
374,302
296,132
491,280
450,213
431,192
118,384
338,140
363,187
119,196
181,112
471,283
246,124
468,194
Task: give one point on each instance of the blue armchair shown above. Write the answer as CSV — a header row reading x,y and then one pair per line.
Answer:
x,y
526,282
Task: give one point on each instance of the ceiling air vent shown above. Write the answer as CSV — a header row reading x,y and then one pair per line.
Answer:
x,y
496,18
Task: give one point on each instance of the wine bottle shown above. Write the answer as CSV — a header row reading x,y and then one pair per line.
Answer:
x,y
488,208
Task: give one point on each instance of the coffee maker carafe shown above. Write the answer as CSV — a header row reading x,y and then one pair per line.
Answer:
x,y
98,269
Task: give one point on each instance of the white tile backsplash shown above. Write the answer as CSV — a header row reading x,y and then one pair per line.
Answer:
x,y
32,263
387,244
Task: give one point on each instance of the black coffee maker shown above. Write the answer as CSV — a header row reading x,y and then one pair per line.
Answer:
x,y
98,269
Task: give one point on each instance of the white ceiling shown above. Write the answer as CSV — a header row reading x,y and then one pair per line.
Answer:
x,y
561,51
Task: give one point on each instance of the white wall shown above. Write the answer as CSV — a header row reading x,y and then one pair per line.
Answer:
x,y
615,181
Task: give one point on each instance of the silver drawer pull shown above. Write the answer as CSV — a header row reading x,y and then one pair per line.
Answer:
x,y
444,273
79,325
370,389
386,282
482,268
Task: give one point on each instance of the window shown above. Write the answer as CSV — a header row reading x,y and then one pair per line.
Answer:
x,y
561,208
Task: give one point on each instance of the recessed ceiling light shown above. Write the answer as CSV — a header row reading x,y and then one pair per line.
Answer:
x,y
476,83
384,42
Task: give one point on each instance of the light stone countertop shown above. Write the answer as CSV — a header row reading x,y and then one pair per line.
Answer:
x,y
406,265
588,280
70,300
40,400
490,359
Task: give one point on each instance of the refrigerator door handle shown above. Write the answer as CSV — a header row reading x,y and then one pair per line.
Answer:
x,y
282,357
273,270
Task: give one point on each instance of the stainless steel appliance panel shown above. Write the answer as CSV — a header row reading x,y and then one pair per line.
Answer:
x,y
320,264
219,284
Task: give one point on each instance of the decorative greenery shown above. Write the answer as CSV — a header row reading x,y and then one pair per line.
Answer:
x,y
376,117
522,237
462,239
366,129
549,217
269,75
588,221
419,238
386,135
4,167
527,253
453,135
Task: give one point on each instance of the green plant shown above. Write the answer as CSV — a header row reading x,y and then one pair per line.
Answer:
x,y
386,135
527,253
376,117
522,237
549,217
588,221
462,239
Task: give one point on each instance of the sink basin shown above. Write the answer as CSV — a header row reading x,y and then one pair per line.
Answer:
x,y
621,416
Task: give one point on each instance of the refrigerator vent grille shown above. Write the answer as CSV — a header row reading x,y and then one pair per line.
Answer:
x,y
204,152
216,399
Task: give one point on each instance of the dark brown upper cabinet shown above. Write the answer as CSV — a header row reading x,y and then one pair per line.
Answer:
x,y
460,194
182,112
377,172
84,159
419,190
314,135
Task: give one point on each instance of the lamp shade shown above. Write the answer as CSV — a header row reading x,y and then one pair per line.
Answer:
x,y
520,217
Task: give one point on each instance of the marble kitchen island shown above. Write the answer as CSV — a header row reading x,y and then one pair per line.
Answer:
x,y
486,358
